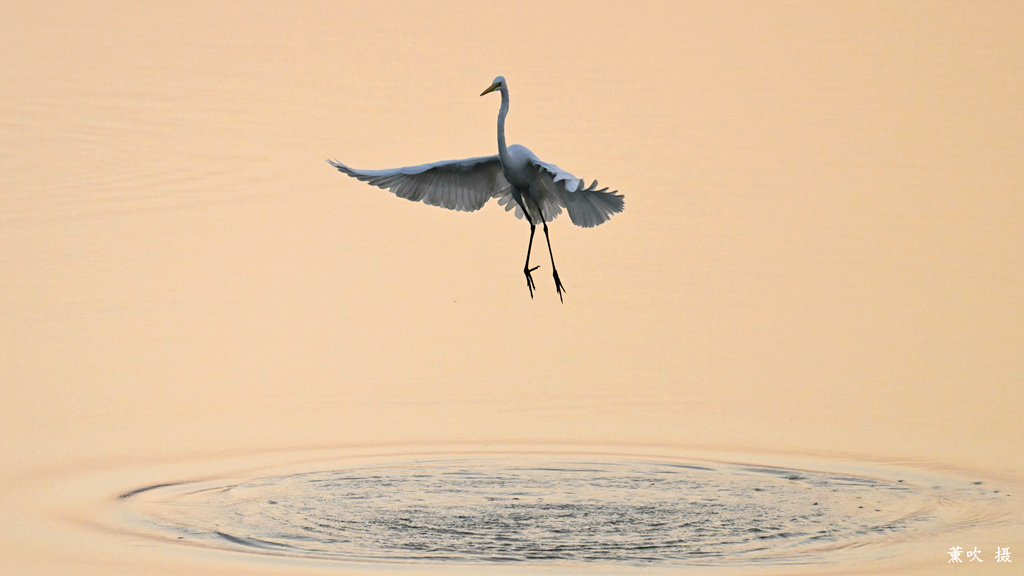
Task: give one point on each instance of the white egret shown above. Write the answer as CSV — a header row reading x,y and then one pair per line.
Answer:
x,y
515,176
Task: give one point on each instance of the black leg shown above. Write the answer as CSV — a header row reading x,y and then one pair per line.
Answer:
x,y
529,247
558,283
526,268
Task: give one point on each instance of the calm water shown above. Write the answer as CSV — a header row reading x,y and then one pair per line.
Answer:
x,y
816,275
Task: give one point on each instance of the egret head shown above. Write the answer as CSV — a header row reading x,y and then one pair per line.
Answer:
x,y
498,84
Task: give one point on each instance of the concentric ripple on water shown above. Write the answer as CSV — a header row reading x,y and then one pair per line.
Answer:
x,y
552,509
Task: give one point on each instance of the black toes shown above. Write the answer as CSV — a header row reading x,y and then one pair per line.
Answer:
x,y
559,287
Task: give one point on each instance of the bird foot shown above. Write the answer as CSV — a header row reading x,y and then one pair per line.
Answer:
x,y
529,279
559,287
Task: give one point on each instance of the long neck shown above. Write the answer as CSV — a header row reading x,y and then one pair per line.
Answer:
x,y
502,148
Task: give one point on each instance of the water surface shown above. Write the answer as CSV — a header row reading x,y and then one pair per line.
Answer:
x,y
821,255
567,510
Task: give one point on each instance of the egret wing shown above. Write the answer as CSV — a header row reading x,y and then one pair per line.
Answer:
x,y
453,184
587,206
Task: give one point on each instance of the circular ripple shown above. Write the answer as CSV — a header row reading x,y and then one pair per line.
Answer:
x,y
553,509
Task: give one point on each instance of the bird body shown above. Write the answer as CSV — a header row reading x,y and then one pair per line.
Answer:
x,y
515,176
517,166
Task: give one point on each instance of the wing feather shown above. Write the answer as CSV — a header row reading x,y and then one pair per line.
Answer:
x,y
587,206
464,185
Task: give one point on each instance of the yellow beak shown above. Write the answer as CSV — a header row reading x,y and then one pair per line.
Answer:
x,y
491,89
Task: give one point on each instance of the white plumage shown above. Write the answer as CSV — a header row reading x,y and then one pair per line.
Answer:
x,y
515,176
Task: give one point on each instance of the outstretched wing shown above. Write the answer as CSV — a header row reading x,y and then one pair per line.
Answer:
x,y
453,184
587,206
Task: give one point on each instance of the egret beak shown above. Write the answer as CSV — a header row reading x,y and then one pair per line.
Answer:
x,y
491,89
